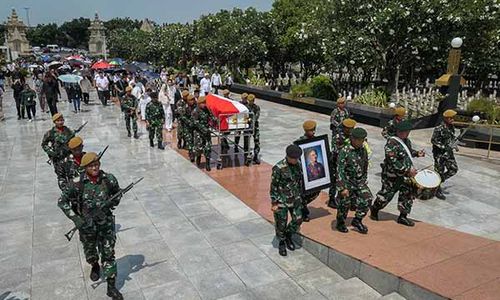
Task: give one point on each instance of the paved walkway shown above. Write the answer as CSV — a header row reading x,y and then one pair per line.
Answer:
x,y
180,234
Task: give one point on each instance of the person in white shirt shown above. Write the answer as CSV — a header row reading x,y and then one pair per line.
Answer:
x,y
143,103
205,85
228,82
102,84
201,74
194,73
216,81
167,97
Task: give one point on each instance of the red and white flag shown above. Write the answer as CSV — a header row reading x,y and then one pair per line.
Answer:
x,y
230,113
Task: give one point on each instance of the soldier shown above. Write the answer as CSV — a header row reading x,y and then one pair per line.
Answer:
x,y
155,118
69,168
94,219
203,119
255,109
340,140
285,192
443,139
224,141
244,101
186,118
337,116
180,108
129,107
352,182
227,94
55,141
389,129
309,127
397,174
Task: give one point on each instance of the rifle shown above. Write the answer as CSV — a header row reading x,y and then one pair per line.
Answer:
x,y
81,127
99,213
454,145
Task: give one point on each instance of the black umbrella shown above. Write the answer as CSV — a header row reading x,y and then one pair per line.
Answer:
x,y
131,68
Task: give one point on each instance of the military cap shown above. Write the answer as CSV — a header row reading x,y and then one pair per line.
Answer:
x,y
400,111
404,126
349,123
341,100
251,97
56,117
202,99
244,95
185,93
226,92
309,125
293,151
359,133
190,97
449,113
88,158
75,142
128,89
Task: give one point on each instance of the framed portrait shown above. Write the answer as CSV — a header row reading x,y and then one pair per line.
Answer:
x,y
315,163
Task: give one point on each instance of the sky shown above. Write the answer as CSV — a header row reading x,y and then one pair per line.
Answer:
x,y
161,11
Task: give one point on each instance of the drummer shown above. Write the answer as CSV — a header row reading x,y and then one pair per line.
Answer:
x,y
397,173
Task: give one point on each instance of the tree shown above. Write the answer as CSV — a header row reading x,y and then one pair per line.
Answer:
x,y
126,24
45,34
76,32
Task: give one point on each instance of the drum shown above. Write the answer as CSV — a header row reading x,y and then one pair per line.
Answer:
x,y
427,182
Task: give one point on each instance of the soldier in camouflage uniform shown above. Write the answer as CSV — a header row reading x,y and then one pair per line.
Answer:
x,y
180,107
337,116
390,129
352,182
185,115
129,105
246,140
285,192
155,118
69,168
309,127
55,141
203,119
443,139
255,109
397,174
86,203
340,140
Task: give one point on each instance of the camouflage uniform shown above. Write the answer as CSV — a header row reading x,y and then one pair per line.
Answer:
x,y
255,109
187,121
336,118
395,177
390,129
286,187
155,117
308,197
352,174
68,170
129,107
442,141
180,108
202,120
338,142
87,201
55,144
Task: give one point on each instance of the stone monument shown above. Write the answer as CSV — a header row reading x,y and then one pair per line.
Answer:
x,y
97,40
17,42
147,26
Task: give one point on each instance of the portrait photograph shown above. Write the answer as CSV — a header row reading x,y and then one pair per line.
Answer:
x,y
314,163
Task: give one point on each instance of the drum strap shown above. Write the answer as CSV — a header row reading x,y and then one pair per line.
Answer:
x,y
407,150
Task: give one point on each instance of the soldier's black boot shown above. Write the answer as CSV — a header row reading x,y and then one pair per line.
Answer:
x,y
95,272
136,136
129,134
305,214
198,160
282,248
113,292
341,226
179,144
191,157
151,143
439,194
160,146
374,209
207,165
256,159
405,221
356,223
288,242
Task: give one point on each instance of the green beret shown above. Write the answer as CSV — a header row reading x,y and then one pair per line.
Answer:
x,y
293,151
404,126
359,133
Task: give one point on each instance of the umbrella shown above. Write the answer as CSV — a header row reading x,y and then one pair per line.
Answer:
x,y
143,66
116,62
151,75
54,64
70,78
131,68
75,57
101,65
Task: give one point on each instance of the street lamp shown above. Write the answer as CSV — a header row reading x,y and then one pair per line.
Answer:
x,y
456,42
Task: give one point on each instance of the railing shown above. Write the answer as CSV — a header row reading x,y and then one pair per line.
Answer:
x,y
489,141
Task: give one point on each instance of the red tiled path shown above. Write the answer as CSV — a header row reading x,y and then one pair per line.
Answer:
x,y
449,263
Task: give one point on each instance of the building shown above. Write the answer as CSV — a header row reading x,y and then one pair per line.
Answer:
x,y
147,26
17,43
97,40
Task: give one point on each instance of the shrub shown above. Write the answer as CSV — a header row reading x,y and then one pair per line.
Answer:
x,y
301,90
321,87
377,98
486,106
